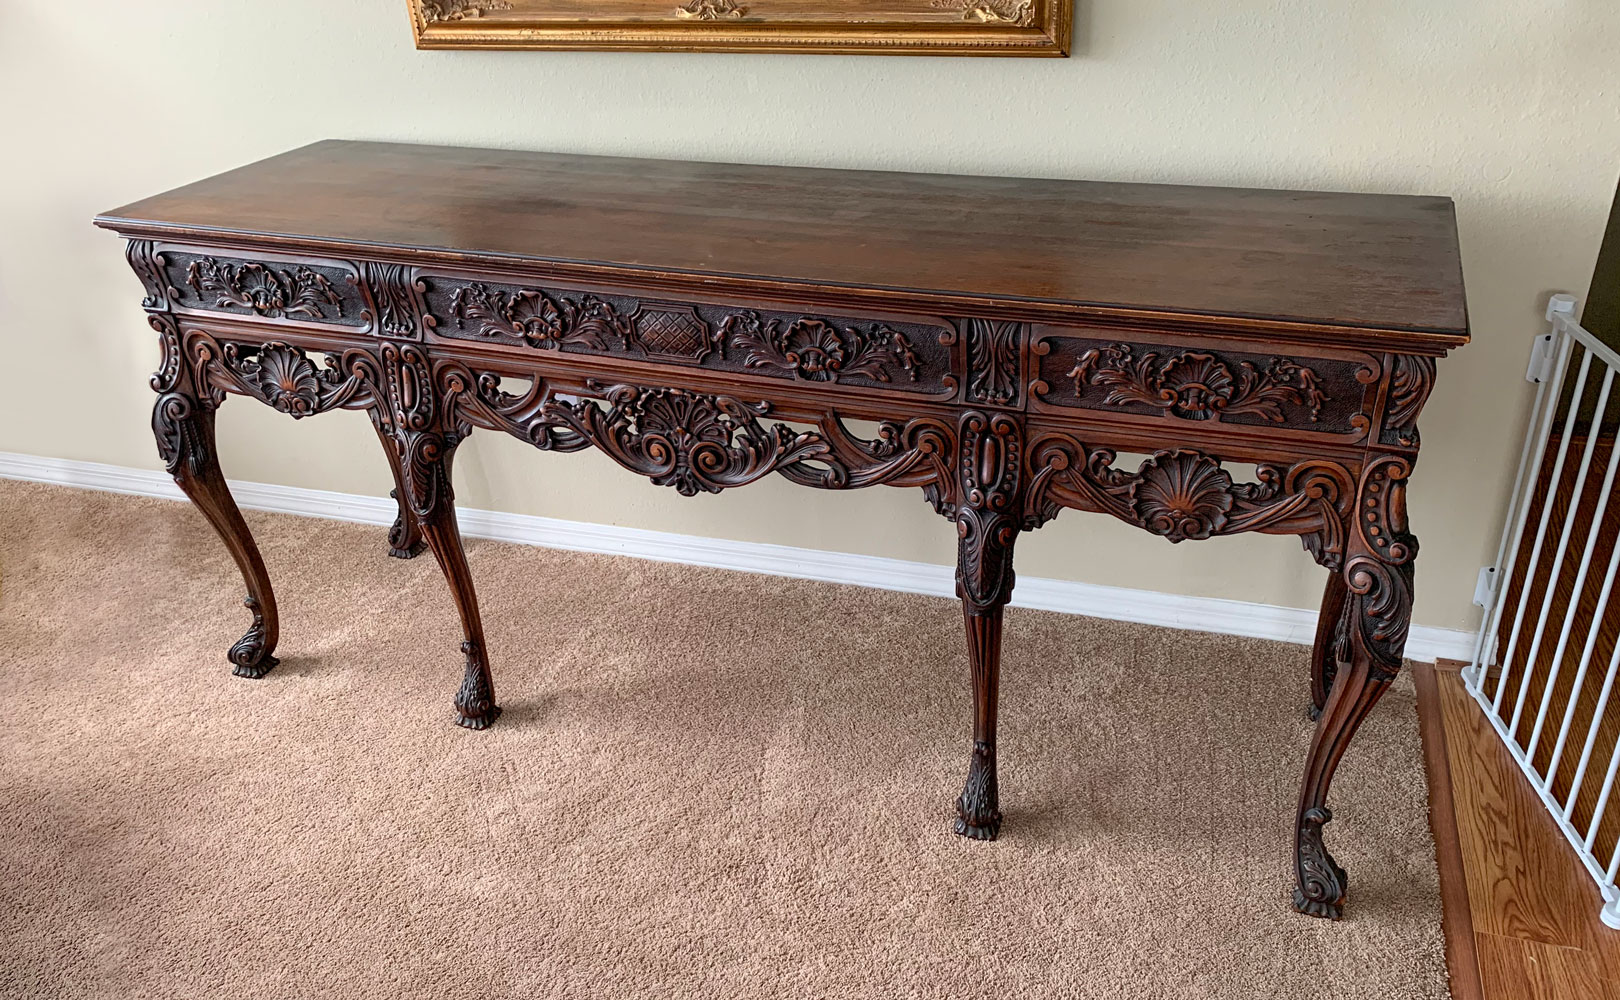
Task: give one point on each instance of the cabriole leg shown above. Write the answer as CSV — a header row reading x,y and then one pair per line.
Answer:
x,y
989,473
183,423
405,539
1324,651
1378,573
423,449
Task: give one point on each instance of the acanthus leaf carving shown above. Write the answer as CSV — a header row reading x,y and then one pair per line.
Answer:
x,y
1411,380
1196,385
818,351
993,349
148,267
990,464
391,291
276,293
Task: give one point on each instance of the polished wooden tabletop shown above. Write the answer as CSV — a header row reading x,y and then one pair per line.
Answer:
x,y
1373,261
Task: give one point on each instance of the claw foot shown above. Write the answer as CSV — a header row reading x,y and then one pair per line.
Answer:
x,y
250,656
475,702
1313,711
977,817
1322,883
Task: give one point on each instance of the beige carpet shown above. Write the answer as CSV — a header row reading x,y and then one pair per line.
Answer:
x,y
706,784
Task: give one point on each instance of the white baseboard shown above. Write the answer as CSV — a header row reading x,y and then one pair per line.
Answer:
x,y
1204,614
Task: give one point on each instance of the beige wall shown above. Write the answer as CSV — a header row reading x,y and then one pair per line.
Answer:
x,y
1510,106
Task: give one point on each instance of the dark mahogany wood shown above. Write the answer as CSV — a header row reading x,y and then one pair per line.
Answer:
x,y
706,325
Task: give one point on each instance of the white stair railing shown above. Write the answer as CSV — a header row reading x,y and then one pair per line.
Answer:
x,y
1513,677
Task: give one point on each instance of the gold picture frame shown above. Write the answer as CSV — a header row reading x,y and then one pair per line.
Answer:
x,y
872,27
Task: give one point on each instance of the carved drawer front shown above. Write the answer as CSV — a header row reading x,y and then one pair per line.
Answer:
x,y
265,287
1093,371
794,346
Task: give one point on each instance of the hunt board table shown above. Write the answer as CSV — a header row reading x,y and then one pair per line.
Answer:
x,y
706,325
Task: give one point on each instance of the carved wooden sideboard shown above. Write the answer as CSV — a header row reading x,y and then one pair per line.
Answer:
x,y
706,325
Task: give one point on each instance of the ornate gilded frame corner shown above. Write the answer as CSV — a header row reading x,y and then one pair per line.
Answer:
x,y
866,27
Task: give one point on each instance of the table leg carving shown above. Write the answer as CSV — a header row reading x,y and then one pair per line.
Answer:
x,y
990,472
183,424
1378,579
405,539
424,442
1325,650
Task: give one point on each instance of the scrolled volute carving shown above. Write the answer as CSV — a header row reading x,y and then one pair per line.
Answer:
x,y
990,474
1378,571
1411,380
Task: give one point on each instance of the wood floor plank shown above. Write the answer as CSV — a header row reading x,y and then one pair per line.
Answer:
x,y
1462,961
1530,970
1521,877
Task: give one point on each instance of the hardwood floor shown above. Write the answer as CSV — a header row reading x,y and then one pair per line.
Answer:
x,y
1521,915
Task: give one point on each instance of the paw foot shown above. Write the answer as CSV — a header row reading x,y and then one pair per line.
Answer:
x,y
1313,711
479,722
977,817
407,553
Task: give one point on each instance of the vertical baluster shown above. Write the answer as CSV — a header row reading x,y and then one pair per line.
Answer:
x,y
1592,732
1603,802
1535,557
1542,424
1518,505
1592,635
1558,565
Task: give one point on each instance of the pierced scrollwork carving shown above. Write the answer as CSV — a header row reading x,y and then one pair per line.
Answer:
x,y
1411,379
818,351
459,10
992,361
539,319
285,377
295,292
1181,494
1198,386
916,453
695,442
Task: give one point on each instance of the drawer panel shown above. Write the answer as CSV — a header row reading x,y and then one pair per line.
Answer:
x,y
277,288
1092,370
902,356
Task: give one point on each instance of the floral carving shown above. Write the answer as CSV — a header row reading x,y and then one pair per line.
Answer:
x,y
710,10
459,10
1197,386
539,319
1019,12
818,351
277,293
695,442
